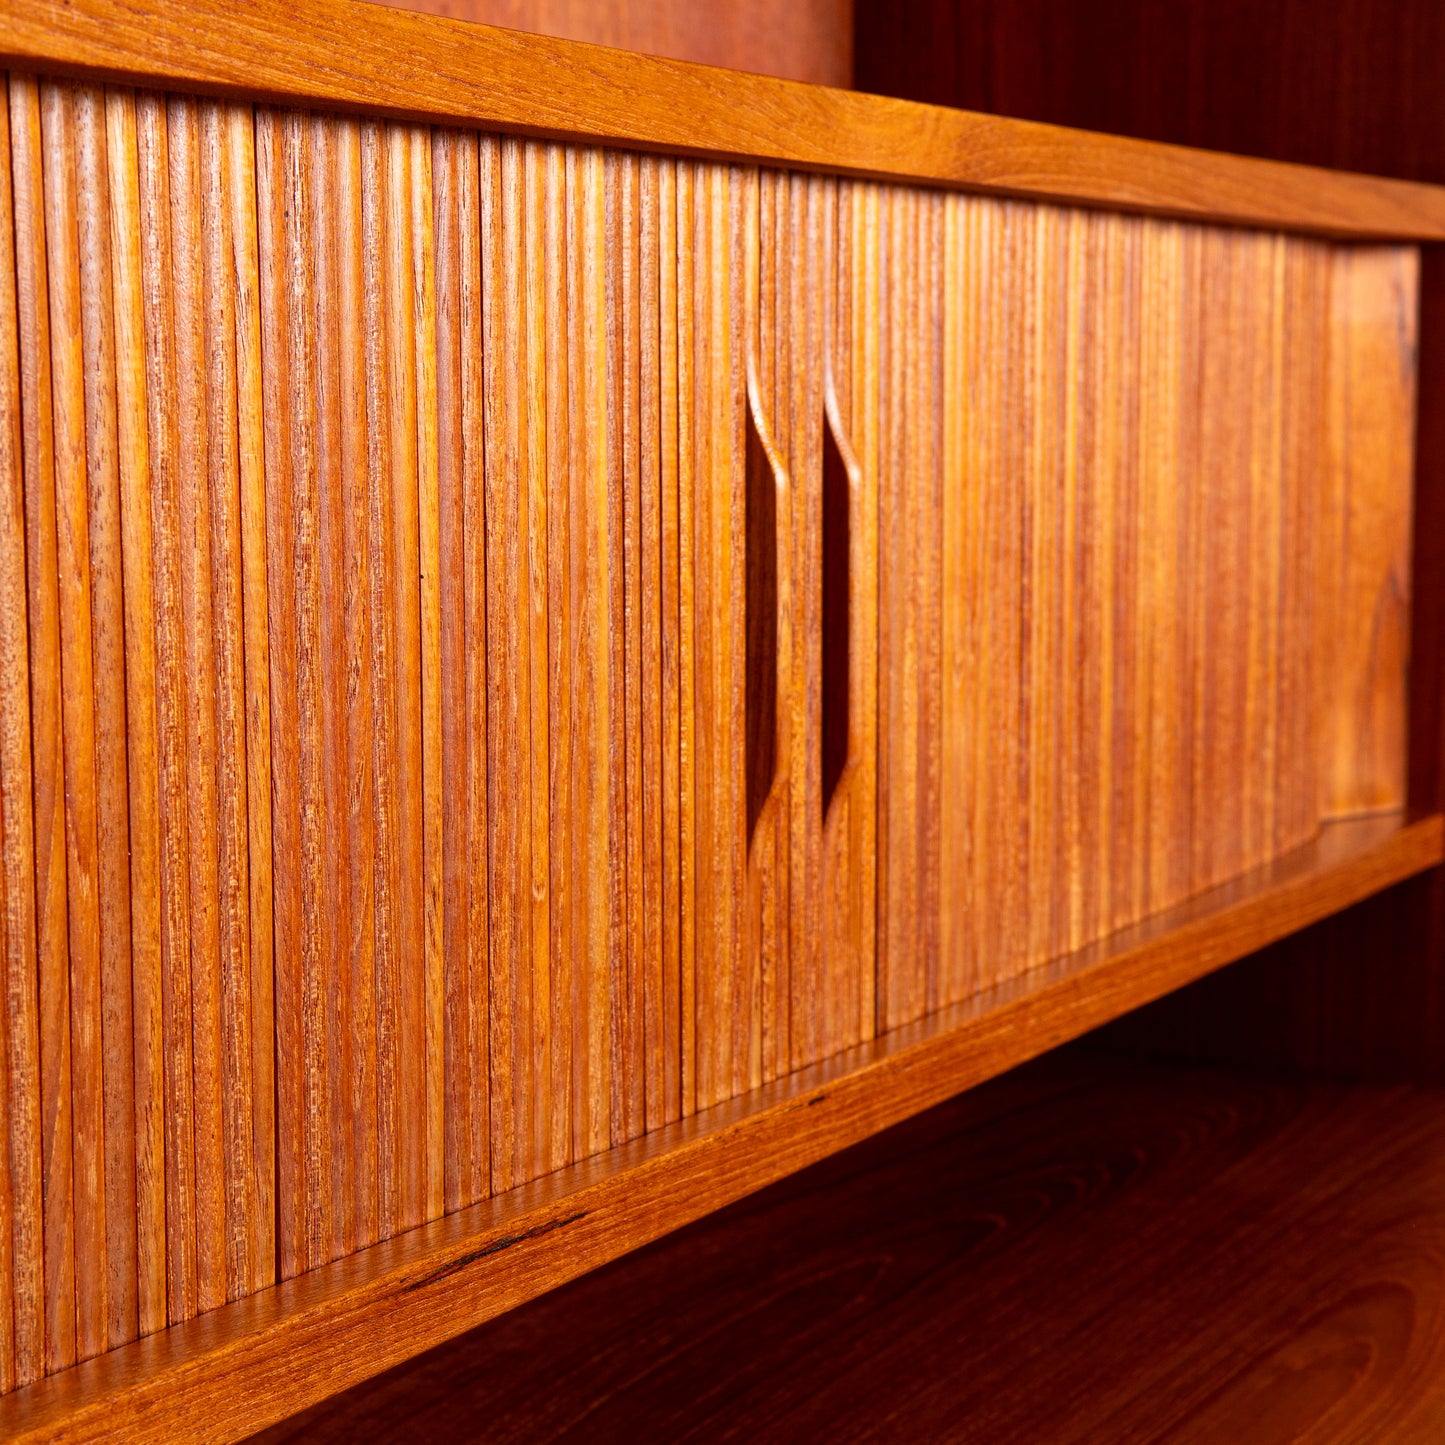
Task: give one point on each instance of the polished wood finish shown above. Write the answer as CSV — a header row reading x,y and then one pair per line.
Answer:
x,y
808,40
531,648
1334,84
453,845
256,1360
1081,1251
423,68
1141,440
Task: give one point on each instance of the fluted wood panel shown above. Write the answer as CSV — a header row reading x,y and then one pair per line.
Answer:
x,y
504,645
1144,593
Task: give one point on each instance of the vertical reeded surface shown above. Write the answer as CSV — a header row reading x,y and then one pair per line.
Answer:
x,y
504,645
1144,595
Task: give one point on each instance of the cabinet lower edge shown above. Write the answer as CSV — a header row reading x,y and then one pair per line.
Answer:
x,y
255,1361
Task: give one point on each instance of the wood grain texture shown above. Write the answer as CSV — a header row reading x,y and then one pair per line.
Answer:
x,y
526,642
1375,299
143,818
1122,426
423,68
1334,85
46,755
1083,1250
848,616
252,1362
811,42
22,1357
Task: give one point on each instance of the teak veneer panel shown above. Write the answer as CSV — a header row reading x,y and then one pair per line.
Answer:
x,y
259,1359
427,756
339,55
1143,569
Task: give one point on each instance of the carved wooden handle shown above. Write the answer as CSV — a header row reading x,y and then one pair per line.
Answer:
x,y
842,487
769,634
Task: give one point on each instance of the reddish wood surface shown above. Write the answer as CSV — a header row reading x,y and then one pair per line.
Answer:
x,y
1336,84
809,40
415,449
422,68
1081,1251
252,1362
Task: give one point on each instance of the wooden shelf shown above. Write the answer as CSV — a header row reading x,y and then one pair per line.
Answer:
x,y
1088,1249
256,1360
336,54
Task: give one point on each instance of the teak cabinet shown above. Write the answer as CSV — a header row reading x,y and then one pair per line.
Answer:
x,y
578,632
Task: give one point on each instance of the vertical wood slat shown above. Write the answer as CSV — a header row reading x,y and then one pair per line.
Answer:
x,y
463,676
689,881
774,708
591,826
621,244
658,641
509,868
387,765
725,972
142,757
196,667
854,356
171,725
78,706
798,412
227,210
240,144
22,1241
356,1096
321,608
46,757
108,646
909,604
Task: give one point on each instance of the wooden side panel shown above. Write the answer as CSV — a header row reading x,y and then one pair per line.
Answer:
x,y
1365,565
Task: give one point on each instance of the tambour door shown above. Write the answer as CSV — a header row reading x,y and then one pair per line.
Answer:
x,y
441,568
783,605
1145,496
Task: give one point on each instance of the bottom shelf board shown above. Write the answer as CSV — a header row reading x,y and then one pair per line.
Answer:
x,y
1087,1249
259,1359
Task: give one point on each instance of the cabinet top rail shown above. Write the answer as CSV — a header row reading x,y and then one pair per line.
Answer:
x,y
347,55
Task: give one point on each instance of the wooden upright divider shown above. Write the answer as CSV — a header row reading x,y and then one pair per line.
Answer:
x,y
578,632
